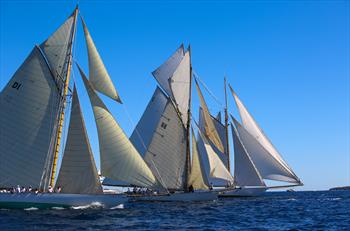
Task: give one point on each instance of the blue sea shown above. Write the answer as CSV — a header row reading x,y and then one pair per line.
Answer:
x,y
321,210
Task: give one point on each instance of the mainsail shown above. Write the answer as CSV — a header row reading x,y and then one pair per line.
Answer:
x,y
197,178
209,127
160,137
245,172
119,158
30,105
78,173
217,168
254,131
98,74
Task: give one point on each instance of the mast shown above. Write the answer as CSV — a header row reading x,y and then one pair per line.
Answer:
x,y
65,92
226,128
188,129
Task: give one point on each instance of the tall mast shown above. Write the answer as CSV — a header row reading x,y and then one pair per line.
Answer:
x,y
188,129
65,92
226,128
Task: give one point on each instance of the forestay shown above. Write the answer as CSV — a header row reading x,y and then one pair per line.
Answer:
x,y
78,173
253,128
98,74
119,158
245,173
209,127
217,168
197,178
267,165
29,111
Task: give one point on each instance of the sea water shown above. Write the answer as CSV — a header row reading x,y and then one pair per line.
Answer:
x,y
321,210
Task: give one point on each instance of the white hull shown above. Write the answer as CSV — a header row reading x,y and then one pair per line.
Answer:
x,y
179,197
49,200
243,192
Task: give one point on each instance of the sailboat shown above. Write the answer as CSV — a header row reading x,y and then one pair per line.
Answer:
x,y
162,136
255,158
33,105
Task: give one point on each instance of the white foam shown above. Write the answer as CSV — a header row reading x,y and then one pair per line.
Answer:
x,y
121,206
92,205
31,209
57,208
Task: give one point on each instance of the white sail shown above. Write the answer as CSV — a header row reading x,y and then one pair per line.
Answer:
x,y
161,132
98,74
222,135
209,127
163,73
119,158
145,128
78,173
29,111
180,86
267,165
217,168
197,177
245,173
253,128
56,47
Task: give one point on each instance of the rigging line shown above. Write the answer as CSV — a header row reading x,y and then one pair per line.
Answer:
x,y
143,143
207,89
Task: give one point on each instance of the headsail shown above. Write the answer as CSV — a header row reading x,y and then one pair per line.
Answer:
x,y
78,173
245,173
253,128
210,129
29,112
98,74
217,168
119,158
161,133
164,72
267,165
197,177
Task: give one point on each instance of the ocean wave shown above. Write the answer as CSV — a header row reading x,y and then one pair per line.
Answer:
x,y
93,205
57,208
31,209
121,206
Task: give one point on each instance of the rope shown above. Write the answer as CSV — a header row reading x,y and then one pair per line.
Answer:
x,y
207,89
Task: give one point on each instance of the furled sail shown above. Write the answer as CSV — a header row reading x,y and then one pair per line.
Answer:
x,y
163,73
161,133
267,165
209,127
29,111
253,128
98,74
245,173
119,158
78,173
197,177
217,168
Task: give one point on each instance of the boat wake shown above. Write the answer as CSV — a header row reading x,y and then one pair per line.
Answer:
x,y
93,205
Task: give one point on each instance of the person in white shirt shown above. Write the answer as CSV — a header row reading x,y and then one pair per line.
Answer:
x,y
50,189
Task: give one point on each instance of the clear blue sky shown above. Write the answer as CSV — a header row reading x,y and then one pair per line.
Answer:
x,y
288,61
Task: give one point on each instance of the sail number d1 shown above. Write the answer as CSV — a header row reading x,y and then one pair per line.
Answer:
x,y
16,85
